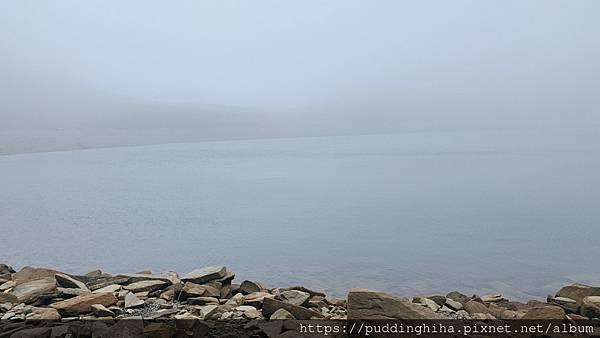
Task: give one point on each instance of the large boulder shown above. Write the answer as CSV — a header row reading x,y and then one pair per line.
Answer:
x,y
578,292
29,273
368,304
197,290
83,304
476,307
206,274
31,291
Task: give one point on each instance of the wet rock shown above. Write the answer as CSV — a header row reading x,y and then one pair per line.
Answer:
x,y
578,291
545,312
83,304
206,274
132,301
590,307
295,297
248,287
31,290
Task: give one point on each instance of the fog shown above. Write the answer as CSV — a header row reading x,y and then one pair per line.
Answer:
x,y
103,73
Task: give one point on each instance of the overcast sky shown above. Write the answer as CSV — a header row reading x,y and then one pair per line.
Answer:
x,y
421,64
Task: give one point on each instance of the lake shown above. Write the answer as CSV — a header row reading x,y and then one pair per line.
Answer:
x,y
515,212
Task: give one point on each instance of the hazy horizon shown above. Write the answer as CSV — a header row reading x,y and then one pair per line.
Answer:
x,y
78,75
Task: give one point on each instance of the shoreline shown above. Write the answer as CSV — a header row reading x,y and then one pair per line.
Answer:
x,y
213,294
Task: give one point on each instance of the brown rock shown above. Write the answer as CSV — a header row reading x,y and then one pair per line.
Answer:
x,y
475,307
29,273
38,332
7,285
202,300
302,288
83,304
8,298
146,285
43,313
205,274
578,291
69,282
197,290
367,304
295,297
168,277
108,281
271,305
545,312
109,288
458,297
32,290
248,287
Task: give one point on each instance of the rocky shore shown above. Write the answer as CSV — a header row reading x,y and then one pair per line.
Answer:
x,y
209,297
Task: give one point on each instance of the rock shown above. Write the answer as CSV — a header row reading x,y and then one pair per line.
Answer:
x,y
202,300
45,313
590,307
83,304
257,297
7,285
568,304
132,301
248,287
109,288
578,291
430,304
106,282
475,307
6,269
32,290
367,304
168,277
252,314
196,290
38,332
295,297
491,298
207,311
69,282
281,314
146,285
271,329
545,312
270,305
29,273
302,288
101,311
8,298
205,274
458,297
71,292
94,274
454,305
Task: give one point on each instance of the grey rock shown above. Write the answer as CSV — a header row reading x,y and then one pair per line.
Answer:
x,y
66,281
101,311
295,297
146,285
281,314
32,290
132,301
590,307
248,287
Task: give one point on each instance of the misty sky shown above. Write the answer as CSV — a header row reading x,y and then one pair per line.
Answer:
x,y
382,64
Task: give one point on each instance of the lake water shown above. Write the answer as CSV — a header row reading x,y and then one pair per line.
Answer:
x,y
516,212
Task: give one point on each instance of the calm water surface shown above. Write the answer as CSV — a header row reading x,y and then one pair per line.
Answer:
x,y
514,212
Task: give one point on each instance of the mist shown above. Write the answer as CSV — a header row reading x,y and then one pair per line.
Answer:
x,y
108,73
